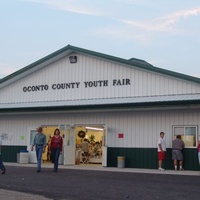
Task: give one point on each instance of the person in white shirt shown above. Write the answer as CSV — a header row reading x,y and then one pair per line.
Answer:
x,y
1,162
161,151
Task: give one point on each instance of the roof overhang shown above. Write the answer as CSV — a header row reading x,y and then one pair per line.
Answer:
x,y
191,101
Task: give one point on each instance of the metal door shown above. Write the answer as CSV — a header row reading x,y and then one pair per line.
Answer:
x,y
69,146
104,147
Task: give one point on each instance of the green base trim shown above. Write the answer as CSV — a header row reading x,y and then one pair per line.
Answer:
x,y
148,158
9,153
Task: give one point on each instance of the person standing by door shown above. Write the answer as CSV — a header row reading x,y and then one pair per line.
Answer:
x,y
40,145
1,162
56,148
49,150
161,151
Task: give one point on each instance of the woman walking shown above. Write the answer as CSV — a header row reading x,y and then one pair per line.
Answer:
x,y
56,148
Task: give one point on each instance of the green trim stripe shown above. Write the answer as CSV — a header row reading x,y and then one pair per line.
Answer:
x,y
9,153
148,158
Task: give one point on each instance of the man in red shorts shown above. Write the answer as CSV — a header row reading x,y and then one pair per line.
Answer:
x,y
161,151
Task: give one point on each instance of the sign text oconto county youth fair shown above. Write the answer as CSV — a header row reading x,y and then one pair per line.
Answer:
x,y
73,85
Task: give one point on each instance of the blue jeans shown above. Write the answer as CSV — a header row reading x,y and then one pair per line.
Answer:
x,y
39,151
55,156
1,164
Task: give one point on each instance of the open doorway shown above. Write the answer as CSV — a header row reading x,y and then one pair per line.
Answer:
x,y
48,130
89,139
73,137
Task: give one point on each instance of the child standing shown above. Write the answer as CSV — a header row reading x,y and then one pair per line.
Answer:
x,y
161,151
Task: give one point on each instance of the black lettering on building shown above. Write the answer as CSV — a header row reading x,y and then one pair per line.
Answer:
x,y
59,86
117,82
100,83
35,88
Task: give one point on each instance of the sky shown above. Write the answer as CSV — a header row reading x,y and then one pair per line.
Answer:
x,y
162,32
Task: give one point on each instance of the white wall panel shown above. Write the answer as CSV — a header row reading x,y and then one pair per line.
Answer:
x,y
140,129
143,83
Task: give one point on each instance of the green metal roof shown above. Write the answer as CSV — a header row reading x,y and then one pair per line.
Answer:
x,y
133,62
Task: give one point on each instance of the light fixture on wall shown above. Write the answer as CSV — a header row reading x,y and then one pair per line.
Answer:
x,y
94,128
73,59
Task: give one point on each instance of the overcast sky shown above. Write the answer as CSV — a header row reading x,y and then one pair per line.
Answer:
x,y
162,32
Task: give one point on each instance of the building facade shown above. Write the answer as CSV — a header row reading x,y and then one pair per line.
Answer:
x,y
119,105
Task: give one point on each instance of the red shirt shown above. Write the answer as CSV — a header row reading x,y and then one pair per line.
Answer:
x,y
56,142
198,147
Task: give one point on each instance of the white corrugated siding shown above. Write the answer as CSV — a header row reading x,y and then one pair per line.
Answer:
x,y
141,129
143,83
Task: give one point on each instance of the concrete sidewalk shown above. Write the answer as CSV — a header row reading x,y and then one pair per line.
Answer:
x,y
13,195
98,167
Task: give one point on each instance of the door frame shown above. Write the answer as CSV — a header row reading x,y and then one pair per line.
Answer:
x,y
104,140
69,145
32,154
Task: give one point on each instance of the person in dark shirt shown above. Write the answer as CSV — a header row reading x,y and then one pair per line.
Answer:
x,y
1,162
177,155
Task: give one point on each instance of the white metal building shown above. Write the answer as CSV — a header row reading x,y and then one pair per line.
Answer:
x,y
124,104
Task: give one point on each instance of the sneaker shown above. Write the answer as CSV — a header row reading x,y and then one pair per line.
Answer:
x,y
181,169
161,169
3,171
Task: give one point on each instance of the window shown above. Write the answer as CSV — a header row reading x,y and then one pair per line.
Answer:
x,y
32,136
188,134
